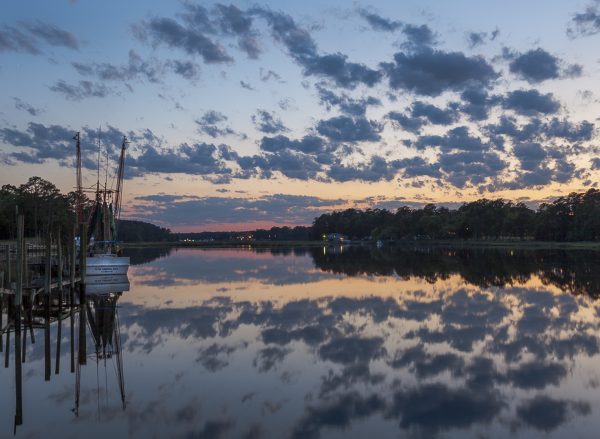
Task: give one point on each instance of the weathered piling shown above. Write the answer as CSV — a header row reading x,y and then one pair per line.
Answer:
x,y
60,300
47,290
17,319
7,275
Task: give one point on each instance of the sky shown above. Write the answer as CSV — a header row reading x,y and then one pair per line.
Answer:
x,y
244,115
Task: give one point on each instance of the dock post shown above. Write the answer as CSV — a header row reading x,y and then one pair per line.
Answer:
x,y
8,277
47,289
60,300
82,297
18,302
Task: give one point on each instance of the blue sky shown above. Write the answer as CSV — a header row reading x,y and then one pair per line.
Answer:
x,y
249,114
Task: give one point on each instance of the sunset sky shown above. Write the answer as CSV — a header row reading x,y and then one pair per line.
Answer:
x,y
245,115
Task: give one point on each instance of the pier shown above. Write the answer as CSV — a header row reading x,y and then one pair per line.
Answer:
x,y
42,284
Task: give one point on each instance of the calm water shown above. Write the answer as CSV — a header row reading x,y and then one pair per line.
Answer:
x,y
328,343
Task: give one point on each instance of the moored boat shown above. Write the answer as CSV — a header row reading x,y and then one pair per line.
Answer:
x,y
103,249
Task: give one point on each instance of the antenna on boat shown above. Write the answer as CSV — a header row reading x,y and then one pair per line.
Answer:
x,y
106,174
98,174
120,173
79,202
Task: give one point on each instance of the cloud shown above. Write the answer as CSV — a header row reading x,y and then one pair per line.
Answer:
x,y
278,208
537,375
585,24
28,36
194,159
476,39
303,49
477,103
421,114
470,167
22,105
376,169
246,85
47,142
268,74
433,114
543,413
346,104
531,102
418,37
290,163
234,21
166,31
266,122
434,407
150,70
458,138
377,22
531,155
211,123
52,35
39,142
307,144
15,40
81,90
431,72
536,129
350,129
406,122
337,413
535,66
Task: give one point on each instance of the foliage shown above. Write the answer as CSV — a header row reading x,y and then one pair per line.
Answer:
x,y
139,231
42,204
575,217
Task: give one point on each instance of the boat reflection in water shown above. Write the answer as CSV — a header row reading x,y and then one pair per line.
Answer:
x,y
90,316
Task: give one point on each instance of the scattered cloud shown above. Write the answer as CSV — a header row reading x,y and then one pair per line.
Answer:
x,y
29,36
268,123
431,72
81,90
24,106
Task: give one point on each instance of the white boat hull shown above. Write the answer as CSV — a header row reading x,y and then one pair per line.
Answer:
x,y
106,284
102,265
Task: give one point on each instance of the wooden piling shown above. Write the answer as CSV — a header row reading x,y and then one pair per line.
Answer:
x,y
47,299
7,346
17,319
60,300
8,277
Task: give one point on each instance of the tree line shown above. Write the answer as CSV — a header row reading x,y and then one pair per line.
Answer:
x,y
575,217
46,209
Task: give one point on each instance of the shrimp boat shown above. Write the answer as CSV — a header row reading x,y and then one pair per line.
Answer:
x,y
103,250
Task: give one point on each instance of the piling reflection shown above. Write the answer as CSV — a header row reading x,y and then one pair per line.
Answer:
x,y
93,314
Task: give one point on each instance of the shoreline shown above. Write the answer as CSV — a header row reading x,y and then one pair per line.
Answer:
x,y
523,245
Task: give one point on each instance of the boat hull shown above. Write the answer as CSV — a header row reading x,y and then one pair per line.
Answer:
x,y
102,265
106,284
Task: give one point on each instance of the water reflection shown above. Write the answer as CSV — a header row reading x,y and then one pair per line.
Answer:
x,y
307,344
92,315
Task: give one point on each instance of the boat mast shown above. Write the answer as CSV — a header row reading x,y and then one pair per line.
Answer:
x,y
98,174
79,200
120,173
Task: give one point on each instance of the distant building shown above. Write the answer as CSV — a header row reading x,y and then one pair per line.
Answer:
x,y
336,237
